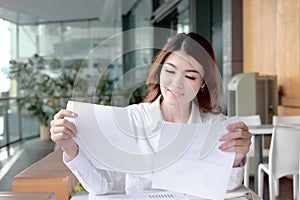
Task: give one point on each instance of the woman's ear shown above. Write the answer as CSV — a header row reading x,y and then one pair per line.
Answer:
x,y
202,87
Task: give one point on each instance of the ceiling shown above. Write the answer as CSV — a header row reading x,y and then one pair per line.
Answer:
x,y
42,11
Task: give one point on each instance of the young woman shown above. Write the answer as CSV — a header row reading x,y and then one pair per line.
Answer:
x,y
183,86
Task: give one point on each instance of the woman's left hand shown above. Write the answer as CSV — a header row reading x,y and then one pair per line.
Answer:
x,y
238,139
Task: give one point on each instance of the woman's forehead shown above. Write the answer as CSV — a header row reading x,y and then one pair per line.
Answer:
x,y
183,57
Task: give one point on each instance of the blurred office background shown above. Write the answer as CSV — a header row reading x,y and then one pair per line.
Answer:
x,y
247,36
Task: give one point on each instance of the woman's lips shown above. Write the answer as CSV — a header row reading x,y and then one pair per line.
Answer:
x,y
175,93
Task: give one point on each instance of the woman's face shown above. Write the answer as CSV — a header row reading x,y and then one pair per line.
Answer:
x,y
180,78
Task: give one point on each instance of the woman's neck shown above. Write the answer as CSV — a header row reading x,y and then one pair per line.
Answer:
x,y
177,114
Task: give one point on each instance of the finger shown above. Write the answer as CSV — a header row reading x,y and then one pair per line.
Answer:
x,y
238,125
64,123
236,134
65,113
59,137
237,145
64,130
241,152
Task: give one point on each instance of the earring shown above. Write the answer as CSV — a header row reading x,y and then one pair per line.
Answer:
x,y
202,87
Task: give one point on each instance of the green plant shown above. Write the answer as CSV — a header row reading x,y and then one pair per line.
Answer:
x,y
44,87
103,93
138,95
41,89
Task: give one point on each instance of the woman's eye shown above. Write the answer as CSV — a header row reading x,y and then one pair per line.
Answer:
x,y
191,77
170,71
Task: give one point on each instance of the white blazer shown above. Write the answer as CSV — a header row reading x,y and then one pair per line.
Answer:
x,y
97,181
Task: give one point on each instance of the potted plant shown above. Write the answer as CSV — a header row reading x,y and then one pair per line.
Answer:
x,y
41,89
44,87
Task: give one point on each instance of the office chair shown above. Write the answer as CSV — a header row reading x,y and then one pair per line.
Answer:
x,y
284,120
283,159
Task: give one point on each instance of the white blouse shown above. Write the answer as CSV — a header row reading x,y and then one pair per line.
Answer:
x,y
97,181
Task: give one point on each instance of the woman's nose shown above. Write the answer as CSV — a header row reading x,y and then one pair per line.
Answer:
x,y
177,81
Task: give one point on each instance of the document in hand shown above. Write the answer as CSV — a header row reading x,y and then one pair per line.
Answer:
x,y
206,175
178,157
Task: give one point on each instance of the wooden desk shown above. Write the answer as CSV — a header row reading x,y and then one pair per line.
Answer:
x,y
47,175
27,196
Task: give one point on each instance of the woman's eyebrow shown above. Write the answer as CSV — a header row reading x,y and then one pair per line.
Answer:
x,y
192,70
188,70
171,65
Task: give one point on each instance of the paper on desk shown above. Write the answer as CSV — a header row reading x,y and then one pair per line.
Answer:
x,y
189,161
207,177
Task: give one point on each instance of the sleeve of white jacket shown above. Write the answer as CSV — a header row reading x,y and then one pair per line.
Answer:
x,y
236,178
95,181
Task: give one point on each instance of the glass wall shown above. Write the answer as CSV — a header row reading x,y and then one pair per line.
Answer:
x,y
13,40
10,122
5,55
65,44
27,41
6,104
183,20
143,57
137,53
174,16
95,48
3,124
49,38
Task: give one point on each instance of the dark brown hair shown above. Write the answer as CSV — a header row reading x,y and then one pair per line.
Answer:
x,y
200,49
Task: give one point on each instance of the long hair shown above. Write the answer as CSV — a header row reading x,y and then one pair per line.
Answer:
x,y
200,49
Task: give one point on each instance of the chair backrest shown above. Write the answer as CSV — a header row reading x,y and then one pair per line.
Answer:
x,y
284,151
251,120
286,120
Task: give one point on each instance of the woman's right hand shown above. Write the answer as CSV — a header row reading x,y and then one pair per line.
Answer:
x,y
63,132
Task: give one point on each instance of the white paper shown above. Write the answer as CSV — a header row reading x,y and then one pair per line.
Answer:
x,y
206,177
179,157
100,138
